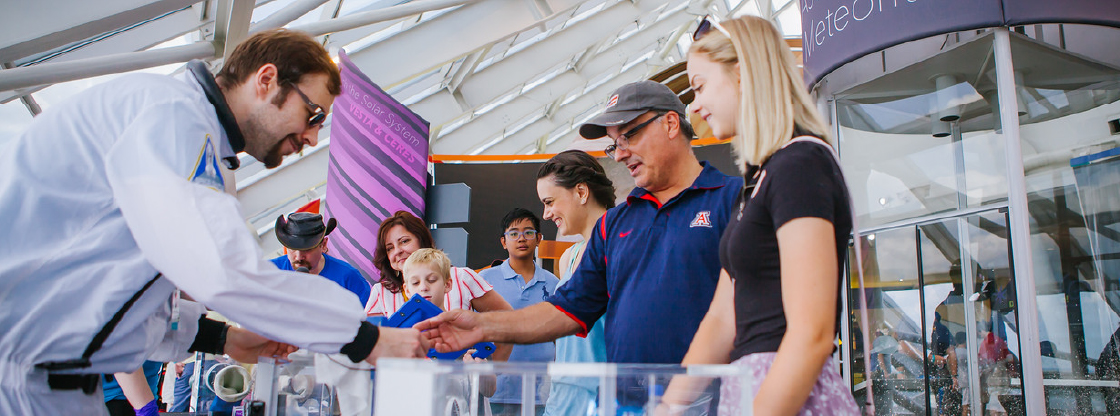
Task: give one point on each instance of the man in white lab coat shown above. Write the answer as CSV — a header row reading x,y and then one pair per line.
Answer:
x,y
114,200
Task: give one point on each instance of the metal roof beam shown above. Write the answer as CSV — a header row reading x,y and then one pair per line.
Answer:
x,y
138,38
103,65
356,20
736,9
466,68
47,24
524,140
489,125
288,14
445,38
346,37
135,38
500,78
231,25
49,73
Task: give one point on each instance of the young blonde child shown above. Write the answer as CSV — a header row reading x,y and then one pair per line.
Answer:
x,y
427,272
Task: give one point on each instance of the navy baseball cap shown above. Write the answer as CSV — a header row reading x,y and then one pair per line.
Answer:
x,y
630,101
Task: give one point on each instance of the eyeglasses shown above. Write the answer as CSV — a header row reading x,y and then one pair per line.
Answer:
x,y
622,142
514,234
706,26
317,114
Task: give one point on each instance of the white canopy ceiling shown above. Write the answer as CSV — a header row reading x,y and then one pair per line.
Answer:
x,y
491,76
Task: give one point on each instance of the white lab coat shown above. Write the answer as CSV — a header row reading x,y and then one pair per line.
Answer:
x,y
97,195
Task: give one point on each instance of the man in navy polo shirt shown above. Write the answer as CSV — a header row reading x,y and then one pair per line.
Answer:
x,y
651,265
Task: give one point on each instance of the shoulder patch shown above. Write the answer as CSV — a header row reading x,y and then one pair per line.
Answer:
x,y
206,171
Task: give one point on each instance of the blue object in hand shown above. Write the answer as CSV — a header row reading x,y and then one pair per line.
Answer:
x,y
150,409
417,310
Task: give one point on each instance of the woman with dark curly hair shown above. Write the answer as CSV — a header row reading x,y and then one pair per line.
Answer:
x,y
399,236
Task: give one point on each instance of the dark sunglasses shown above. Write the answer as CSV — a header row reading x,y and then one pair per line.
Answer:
x,y
622,142
317,114
706,26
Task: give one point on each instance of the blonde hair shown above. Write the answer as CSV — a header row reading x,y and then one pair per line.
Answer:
x,y
431,256
772,96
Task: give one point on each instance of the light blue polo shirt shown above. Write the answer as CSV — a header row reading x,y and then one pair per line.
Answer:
x,y
520,294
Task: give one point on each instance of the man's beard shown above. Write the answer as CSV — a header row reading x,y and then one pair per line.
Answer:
x,y
273,158
256,139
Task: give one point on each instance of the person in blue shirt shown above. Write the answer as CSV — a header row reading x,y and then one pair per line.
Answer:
x,y
651,267
116,399
305,236
523,283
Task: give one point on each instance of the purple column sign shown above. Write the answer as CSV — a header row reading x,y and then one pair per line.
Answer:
x,y
378,166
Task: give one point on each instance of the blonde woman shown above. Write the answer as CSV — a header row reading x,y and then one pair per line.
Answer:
x,y
776,309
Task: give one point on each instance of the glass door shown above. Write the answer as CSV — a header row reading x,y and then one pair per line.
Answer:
x,y
942,313
894,293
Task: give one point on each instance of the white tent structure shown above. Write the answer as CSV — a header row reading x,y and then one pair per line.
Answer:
x,y
491,76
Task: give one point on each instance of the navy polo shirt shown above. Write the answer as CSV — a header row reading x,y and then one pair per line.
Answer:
x,y
650,268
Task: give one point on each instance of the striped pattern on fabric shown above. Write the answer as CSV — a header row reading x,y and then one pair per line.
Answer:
x,y
378,165
466,285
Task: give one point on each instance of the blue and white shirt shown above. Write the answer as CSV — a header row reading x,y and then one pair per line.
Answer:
x,y
112,186
521,294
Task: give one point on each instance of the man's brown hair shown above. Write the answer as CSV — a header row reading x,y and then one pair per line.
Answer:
x,y
294,53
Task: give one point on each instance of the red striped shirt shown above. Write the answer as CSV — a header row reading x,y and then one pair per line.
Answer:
x,y
465,286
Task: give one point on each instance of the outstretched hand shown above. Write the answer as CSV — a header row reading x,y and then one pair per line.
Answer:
x,y
245,346
399,343
452,330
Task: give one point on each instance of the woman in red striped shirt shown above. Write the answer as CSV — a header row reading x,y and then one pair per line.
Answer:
x,y
400,236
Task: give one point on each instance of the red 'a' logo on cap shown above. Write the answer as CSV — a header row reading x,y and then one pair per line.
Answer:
x,y
611,102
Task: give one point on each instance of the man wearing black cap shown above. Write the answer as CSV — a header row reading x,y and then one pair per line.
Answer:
x,y
305,237
651,266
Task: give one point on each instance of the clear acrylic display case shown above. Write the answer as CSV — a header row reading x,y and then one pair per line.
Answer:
x,y
455,388
290,388
422,387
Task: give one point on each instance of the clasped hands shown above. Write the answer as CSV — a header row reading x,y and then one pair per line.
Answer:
x,y
246,346
450,331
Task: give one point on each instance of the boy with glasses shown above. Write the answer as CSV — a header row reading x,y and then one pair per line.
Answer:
x,y
523,283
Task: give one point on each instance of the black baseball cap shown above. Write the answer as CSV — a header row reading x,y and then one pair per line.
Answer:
x,y
630,101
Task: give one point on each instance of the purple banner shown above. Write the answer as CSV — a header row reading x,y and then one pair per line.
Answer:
x,y
378,166
835,32
1098,12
